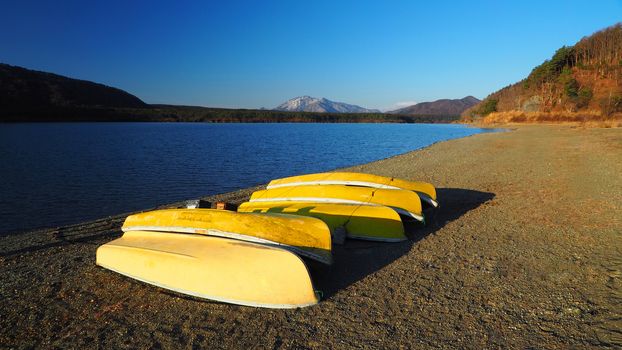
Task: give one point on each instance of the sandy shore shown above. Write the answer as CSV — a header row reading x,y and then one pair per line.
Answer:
x,y
526,252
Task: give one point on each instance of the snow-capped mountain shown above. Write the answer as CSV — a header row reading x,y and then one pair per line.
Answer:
x,y
320,105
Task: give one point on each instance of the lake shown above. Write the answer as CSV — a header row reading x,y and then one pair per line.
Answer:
x,y
64,173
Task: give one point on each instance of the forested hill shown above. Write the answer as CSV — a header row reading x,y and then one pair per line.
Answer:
x,y
24,90
439,107
579,82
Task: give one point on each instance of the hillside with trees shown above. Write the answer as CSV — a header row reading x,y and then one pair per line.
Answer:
x,y
441,107
579,83
28,90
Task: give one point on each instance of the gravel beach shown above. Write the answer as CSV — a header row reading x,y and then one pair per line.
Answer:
x,y
526,252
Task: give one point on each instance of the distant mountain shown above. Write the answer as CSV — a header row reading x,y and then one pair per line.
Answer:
x,y
439,107
23,90
320,105
581,82
33,96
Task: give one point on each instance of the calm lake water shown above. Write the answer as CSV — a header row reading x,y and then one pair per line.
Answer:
x,y
64,173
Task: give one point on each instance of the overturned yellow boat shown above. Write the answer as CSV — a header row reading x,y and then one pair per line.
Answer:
x,y
362,221
211,267
306,236
425,190
405,202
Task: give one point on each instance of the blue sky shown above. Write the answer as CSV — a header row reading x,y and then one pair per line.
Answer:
x,y
252,54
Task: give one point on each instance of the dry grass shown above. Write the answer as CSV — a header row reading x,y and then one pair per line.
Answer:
x,y
586,119
614,123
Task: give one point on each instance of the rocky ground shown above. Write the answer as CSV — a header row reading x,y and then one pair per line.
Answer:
x,y
526,252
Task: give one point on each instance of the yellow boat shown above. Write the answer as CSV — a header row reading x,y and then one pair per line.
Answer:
x,y
425,190
210,267
405,202
308,237
370,222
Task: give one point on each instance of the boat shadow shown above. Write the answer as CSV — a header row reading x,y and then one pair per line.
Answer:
x,y
357,259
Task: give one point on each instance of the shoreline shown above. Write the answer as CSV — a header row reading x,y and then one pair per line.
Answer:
x,y
510,261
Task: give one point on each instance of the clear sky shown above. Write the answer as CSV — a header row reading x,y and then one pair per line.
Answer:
x,y
253,54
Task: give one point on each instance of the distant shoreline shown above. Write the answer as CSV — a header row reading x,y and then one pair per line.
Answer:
x,y
170,113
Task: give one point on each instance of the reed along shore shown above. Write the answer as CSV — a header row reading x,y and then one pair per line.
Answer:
x,y
526,251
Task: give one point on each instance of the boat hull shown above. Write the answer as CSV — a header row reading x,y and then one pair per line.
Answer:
x,y
308,237
426,191
214,268
369,222
405,202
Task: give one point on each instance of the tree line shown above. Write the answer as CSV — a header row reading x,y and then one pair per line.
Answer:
x,y
170,113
